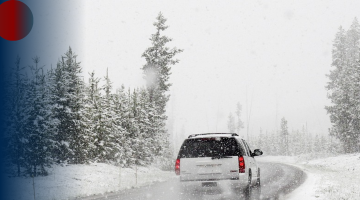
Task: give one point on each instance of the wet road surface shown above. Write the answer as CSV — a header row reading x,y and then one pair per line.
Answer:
x,y
276,181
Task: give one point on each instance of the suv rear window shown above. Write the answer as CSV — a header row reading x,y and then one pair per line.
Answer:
x,y
210,147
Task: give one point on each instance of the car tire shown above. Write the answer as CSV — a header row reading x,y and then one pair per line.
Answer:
x,y
258,182
256,191
247,191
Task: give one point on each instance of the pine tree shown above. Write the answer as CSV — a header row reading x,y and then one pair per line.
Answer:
x,y
159,59
353,43
260,141
66,97
239,122
338,113
231,123
145,132
344,87
89,117
276,145
284,134
353,55
122,122
100,129
39,125
17,117
79,142
112,132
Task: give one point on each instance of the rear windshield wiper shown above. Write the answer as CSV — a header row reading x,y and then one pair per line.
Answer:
x,y
220,156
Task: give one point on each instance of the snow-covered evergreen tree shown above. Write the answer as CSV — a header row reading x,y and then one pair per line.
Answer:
x,y
111,131
90,113
80,138
276,142
239,122
344,88
67,98
231,123
145,141
17,117
284,135
122,122
39,125
159,59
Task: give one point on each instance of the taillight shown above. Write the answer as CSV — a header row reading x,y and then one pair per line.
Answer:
x,y
241,164
177,167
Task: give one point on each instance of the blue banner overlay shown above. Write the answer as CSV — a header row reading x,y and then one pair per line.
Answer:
x,y
51,36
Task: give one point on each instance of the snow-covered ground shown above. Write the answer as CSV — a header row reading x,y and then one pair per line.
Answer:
x,y
328,178
71,181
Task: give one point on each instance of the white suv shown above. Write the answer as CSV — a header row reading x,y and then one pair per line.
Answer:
x,y
217,160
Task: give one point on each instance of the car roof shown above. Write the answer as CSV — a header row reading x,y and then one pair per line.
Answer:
x,y
208,135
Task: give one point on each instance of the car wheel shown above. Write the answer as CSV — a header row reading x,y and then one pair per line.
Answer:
x,y
247,192
256,191
258,179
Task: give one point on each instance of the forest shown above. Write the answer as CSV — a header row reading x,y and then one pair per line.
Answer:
x,y
54,116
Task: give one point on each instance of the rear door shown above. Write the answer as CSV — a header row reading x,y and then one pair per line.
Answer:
x,y
209,159
208,169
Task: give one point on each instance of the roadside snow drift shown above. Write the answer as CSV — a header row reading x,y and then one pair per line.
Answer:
x,y
73,181
330,178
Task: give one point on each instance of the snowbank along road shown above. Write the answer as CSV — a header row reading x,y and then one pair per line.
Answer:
x,y
276,181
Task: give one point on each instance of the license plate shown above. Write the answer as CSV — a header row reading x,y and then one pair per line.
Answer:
x,y
209,184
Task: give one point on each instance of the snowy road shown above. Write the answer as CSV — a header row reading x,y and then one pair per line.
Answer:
x,y
276,181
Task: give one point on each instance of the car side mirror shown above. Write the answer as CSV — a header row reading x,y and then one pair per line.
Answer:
x,y
257,152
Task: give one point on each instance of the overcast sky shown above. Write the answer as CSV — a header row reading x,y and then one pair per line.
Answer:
x,y
271,56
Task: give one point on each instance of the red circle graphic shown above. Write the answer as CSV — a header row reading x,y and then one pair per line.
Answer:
x,y
16,20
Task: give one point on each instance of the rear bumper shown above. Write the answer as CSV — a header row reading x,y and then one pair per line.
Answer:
x,y
206,184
